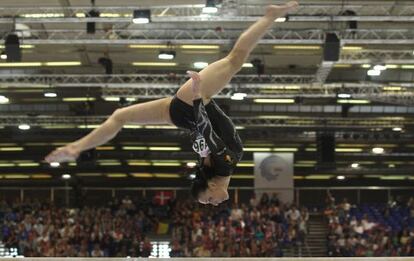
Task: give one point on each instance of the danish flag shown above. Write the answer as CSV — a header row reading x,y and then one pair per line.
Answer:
x,y
162,197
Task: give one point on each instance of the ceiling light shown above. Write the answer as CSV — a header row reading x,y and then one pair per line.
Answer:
x,y
348,150
247,65
378,150
29,64
285,149
366,66
355,165
374,72
69,63
54,164
392,88
166,55
397,129
200,65
380,67
257,149
66,176
297,47
192,176
165,148
281,19
210,7
141,16
341,65
43,15
191,164
3,55
274,100
352,48
142,175
340,177
354,101
238,96
155,64
23,46
24,127
199,46
78,99
11,148
344,95
148,46
4,99
392,66
112,98
407,66
50,94
116,175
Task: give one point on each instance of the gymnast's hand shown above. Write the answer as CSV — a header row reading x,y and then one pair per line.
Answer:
x,y
63,154
196,83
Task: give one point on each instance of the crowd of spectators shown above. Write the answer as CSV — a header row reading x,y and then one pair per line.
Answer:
x,y
370,230
260,228
45,230
121,228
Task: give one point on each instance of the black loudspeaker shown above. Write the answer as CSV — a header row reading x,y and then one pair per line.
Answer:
x,y
106,63
91,26
13,51
325,143
331,48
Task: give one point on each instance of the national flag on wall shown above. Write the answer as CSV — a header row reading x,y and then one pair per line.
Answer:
x,y
162,197
162,228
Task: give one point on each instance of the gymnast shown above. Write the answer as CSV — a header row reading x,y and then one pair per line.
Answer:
x,y
213,134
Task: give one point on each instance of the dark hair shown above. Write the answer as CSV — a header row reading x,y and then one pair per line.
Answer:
x,y
200,182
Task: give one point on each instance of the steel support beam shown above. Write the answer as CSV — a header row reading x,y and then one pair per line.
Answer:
x,y
208,36
290,122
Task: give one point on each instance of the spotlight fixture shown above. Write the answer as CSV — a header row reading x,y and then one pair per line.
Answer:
x,y
66,176
397,129
191,164
4,99
50,94
340,177
3,55
192,176
355,165
238,96
200,65
166,55
282,19
380,67
374,72
54,164
141,16
344,95
210,7
378,150
24,127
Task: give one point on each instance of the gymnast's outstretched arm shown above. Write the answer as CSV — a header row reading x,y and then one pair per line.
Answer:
x,y
153,112
218,74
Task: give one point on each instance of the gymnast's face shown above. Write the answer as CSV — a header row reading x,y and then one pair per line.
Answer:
x,y
214,194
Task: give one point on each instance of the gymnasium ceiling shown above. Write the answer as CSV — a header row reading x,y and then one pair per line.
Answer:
x,y
292,54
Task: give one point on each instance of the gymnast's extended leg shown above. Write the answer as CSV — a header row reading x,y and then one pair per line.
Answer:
x,y
218,74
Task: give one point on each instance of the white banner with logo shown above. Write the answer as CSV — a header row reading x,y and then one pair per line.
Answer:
x,y
274,174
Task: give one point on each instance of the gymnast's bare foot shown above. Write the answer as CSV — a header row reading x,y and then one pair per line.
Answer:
x,y
281,10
